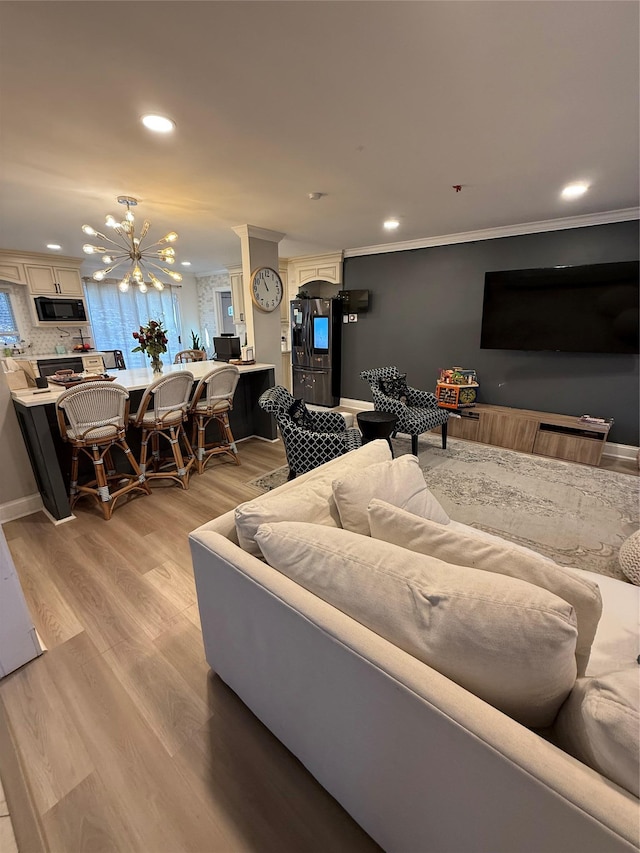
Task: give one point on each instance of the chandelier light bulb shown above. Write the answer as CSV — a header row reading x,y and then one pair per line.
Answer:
x,y
107,259
123,286
136,275
136,241
91,232
142,287
145,227
111,221
171,237
98,275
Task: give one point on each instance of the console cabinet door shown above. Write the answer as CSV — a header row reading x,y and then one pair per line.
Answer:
x,y
507,431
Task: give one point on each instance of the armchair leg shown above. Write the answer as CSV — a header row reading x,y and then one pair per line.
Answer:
x,y
414,445
292,474
444,435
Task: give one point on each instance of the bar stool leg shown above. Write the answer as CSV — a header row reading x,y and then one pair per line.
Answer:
x,y
73,486
102,485
131,459
144,442
182,471
226,429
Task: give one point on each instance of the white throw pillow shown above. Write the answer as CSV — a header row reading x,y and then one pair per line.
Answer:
x,y
399,482
307,498
492,555
507,641
600,724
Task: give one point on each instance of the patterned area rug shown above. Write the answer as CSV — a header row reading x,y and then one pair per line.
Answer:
x,y
575,514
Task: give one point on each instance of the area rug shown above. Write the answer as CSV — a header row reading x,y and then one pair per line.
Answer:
x,y
575,514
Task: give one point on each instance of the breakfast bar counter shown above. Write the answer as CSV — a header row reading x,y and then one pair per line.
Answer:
x,y
51,457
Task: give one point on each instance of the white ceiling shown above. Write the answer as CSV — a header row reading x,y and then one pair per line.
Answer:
x,y
383,106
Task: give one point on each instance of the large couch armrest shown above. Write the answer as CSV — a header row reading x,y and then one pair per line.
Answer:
x,y
418,761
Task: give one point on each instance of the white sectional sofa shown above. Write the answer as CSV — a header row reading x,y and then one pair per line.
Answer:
x,y
421,763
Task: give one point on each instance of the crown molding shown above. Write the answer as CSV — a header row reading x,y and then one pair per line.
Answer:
x,y
605,218
258,233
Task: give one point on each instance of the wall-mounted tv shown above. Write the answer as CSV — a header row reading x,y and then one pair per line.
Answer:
x,y
354,301
592,308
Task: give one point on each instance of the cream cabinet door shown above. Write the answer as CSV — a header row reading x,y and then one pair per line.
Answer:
x,y
41,280
68,281
237,296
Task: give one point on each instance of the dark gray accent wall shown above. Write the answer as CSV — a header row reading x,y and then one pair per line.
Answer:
x,y
426,311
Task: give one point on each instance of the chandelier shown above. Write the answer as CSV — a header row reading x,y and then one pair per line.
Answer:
x,y
129,249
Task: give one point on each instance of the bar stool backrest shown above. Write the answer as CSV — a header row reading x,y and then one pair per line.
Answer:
x,y
93,410
218,387
187,355
168,398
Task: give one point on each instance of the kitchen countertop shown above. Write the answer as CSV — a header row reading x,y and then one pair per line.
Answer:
x,y
134,379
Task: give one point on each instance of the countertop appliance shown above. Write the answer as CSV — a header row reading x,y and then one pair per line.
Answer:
x,y
49,366
62,310
316,346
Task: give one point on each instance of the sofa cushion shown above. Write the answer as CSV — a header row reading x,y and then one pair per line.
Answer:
x,y
307,498
617,642
395,387
505,640
600,724
399,482
492,555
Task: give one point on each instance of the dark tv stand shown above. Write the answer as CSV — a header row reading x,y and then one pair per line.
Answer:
x,y
541,433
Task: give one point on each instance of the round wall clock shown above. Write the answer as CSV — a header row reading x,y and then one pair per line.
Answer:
x,y
266,289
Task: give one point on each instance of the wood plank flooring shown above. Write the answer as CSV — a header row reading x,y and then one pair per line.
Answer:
x,y
119,738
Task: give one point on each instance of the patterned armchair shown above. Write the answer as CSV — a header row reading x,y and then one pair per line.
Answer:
x,y
310,438
418,414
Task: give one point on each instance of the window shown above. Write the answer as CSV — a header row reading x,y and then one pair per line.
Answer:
x,y
115,316
9,332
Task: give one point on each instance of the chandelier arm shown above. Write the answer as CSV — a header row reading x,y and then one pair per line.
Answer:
x,y
115,242
152,264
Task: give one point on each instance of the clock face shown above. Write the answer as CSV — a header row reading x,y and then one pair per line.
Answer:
x,y
266,289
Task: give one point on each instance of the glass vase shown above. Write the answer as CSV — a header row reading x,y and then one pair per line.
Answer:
x,y
156,364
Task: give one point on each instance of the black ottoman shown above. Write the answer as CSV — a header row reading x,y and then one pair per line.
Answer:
x,y
377,425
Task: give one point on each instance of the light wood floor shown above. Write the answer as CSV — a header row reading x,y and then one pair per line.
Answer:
x,y
119,738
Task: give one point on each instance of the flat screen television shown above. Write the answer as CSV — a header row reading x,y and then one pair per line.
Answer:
x,y
354,301
591,308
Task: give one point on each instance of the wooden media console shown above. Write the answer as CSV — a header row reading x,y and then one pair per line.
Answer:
x,y
542,433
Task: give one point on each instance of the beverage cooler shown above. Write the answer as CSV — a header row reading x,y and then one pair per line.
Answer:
x,y
316,338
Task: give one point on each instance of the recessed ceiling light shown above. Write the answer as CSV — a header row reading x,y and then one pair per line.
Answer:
x,y
160,124
186,263
391,224
53,246
574,190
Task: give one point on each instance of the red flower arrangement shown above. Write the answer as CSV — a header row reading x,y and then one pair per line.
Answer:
x,y
152,339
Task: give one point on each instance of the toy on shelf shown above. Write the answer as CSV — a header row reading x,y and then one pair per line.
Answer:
x,y
456,388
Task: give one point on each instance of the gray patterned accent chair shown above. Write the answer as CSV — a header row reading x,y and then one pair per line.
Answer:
x,y
419,414
324,436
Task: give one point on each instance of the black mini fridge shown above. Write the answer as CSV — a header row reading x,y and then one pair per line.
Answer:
x,y
316,344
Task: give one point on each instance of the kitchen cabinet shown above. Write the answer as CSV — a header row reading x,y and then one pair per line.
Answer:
x,y
53,281
43,274
317,268
237,294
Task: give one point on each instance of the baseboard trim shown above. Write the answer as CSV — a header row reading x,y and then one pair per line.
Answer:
x,y
11,510
359,405
620,451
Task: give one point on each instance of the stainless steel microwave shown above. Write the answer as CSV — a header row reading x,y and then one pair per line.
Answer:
x,y
60,310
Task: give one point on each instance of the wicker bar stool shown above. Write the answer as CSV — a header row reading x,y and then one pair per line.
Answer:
x,y
161,415
93,417
213,400
187,355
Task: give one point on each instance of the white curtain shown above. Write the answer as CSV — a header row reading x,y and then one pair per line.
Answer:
x,y
115,316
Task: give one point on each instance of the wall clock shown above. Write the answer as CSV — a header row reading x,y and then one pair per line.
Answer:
x,y
266,289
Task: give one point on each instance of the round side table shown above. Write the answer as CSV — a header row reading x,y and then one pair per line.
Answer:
x,y
377,425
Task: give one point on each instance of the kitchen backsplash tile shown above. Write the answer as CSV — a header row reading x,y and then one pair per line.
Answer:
x,y
43,340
